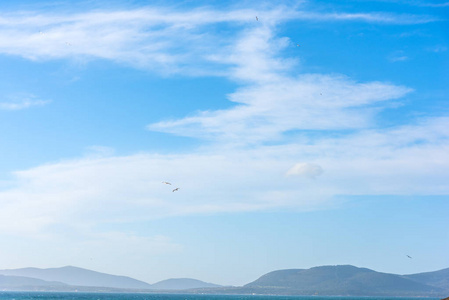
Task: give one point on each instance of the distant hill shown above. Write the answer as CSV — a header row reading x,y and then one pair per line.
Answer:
x,y
182,284
20,283
79,277
342,280
327,280
438,278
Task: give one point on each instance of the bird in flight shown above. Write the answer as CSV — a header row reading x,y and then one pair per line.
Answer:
x,y
175,190
165,182
257,19
409,256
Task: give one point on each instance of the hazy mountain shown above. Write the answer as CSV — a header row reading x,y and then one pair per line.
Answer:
x,y
342,280
438,278
79,277
182,284
326,280
19,282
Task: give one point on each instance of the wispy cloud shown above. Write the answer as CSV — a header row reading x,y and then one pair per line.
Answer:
x,y
398,56
99,151
267,111
308,170
422,3
438,49
431,4
148,38
272,104
405,160
22,101
155,38
372,17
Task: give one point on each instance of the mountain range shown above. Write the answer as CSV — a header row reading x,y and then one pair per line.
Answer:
x,y
78,277
350,280
326,280
73,278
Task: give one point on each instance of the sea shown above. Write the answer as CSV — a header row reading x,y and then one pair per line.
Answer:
x,y
135,296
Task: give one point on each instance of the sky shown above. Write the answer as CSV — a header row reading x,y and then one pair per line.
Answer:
x,y
299,133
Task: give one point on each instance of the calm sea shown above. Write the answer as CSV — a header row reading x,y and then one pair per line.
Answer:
x,y
114,296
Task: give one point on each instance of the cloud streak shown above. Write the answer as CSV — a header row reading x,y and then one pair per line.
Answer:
x,y
407,160
309,102
280,118
373,17
308,170
22,101
152,38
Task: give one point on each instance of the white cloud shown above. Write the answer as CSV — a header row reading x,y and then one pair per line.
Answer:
x,y
399,58
22,101
438,49
308,170
426,3
309,102
369,17
119,189
99,151
274,102
103,188
157,38
407,160
150,38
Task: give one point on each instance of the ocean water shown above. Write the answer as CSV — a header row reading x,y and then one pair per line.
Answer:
x,y
119,296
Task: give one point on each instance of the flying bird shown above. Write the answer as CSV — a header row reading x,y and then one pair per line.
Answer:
x,y
409,256
257,19
175,190
165,182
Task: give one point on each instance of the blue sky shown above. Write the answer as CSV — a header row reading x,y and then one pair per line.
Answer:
x,y
315,135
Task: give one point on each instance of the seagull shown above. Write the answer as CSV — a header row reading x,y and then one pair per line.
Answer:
x,y
175,190
409,256
257,19
165,182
